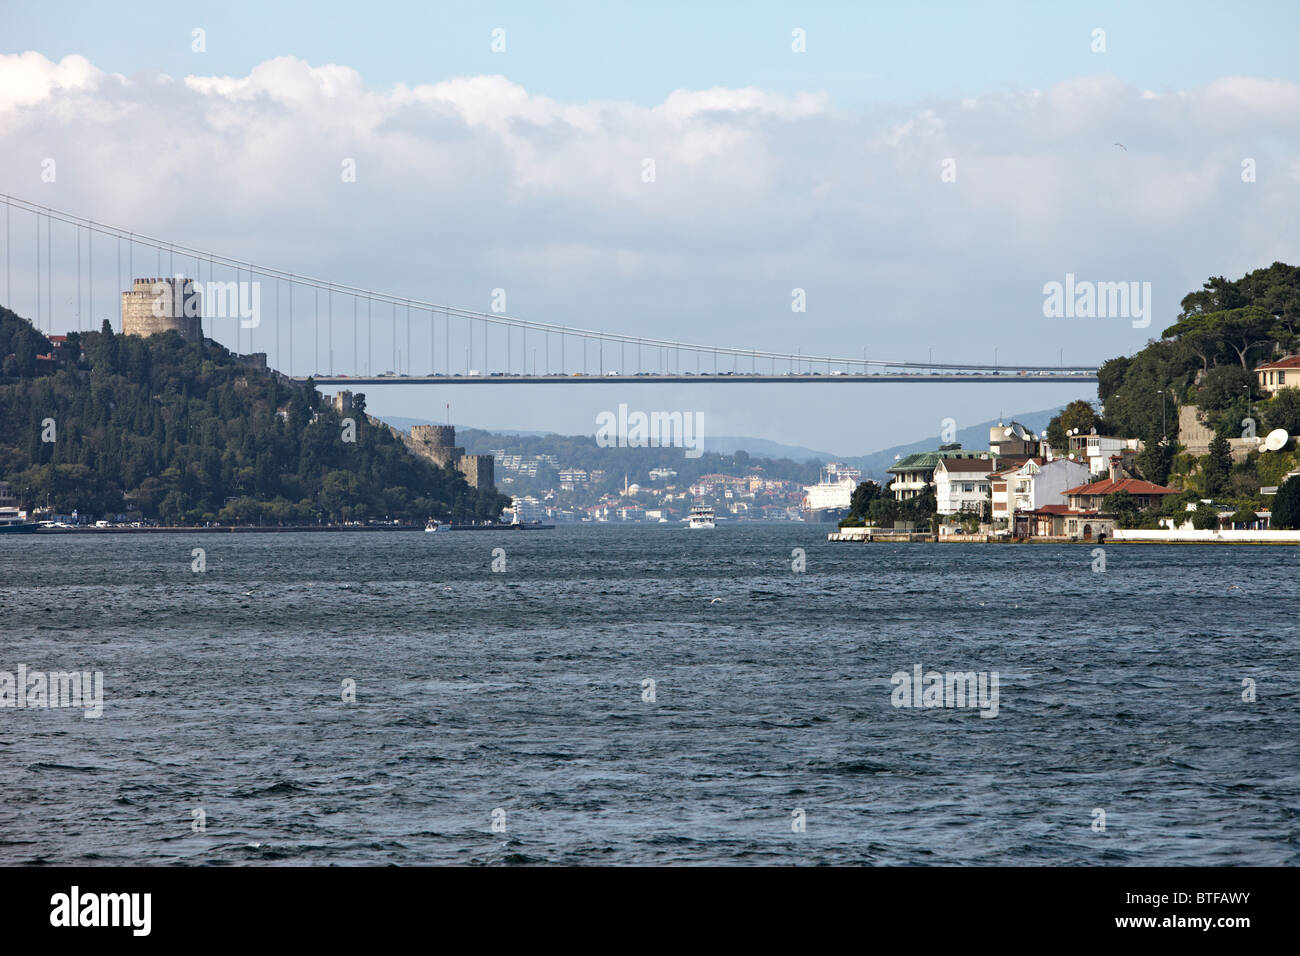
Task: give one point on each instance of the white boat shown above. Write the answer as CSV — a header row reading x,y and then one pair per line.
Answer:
x,y
435,526
702,518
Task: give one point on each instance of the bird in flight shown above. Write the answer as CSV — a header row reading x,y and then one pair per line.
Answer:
x,y
1122,146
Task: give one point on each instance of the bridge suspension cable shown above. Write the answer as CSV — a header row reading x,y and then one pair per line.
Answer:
x,y
500,319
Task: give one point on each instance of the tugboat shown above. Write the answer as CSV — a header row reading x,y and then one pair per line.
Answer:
x,y
702,517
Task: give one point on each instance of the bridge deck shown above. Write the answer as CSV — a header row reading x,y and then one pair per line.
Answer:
x,y
685,379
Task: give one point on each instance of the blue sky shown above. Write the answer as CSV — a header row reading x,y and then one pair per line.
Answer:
x,y
776,170
900,53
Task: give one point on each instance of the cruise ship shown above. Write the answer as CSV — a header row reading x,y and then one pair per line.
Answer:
x,y
829,499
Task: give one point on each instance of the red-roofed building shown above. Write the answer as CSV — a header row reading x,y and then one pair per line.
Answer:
x,y
1090,496
1081,516
1284,373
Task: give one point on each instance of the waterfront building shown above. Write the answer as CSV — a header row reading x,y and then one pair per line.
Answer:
x,y
915,473
962,485
1097,450
1038,483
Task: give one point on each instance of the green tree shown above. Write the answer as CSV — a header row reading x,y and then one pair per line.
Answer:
x,y
1244,516
863,496
1205,518
1218,467
1124,507
1223,387
1286,505
1156,460
1078,414
1283,410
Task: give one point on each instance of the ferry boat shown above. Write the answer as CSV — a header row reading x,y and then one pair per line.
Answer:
x,y
702,518
13,521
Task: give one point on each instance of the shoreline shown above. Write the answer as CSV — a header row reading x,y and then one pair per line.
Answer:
x,y
1120,536
276,529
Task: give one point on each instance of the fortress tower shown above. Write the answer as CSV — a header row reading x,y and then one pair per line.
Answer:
x,y
478,470
438,444
169,304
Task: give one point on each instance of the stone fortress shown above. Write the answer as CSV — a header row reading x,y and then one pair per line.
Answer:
x,y
438,444
154,306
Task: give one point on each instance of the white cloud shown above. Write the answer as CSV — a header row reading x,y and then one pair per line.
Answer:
x,y
476,182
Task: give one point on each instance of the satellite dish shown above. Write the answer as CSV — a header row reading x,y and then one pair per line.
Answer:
x,y
1276,439
1006,433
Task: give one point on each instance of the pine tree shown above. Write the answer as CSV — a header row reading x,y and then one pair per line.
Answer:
x,y
1218,468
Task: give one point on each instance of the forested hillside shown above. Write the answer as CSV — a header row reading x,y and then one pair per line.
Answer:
x,y
186,433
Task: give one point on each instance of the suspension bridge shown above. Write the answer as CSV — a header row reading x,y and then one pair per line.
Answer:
x,y
309,321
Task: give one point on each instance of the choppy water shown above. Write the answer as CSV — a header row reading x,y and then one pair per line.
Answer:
x,y
522,690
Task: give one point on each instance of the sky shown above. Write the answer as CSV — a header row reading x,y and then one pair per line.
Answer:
x,y
921,172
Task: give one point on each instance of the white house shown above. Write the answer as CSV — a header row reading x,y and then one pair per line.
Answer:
x,y
1037,483
1097,450
961,485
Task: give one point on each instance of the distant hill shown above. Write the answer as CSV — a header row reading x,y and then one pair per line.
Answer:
x,y
975,437
729,445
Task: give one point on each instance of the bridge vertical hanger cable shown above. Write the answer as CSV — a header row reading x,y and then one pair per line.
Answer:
x,y
38,270
78,309
45,307
329,298
356,351
291,326
90,278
